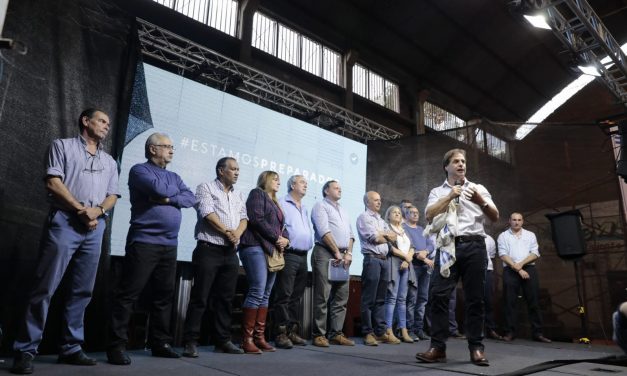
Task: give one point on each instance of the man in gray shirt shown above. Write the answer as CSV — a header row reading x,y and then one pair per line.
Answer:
x,y
334,240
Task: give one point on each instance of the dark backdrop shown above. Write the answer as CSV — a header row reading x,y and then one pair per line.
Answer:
x,y
70,55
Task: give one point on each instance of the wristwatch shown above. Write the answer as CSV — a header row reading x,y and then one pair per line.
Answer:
x,y
484,205
104,212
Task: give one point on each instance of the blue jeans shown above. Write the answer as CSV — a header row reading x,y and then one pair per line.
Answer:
x,y
396,298
260,281
374,281
70,247
417,303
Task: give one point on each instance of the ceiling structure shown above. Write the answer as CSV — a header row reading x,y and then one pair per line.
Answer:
x,y
479,54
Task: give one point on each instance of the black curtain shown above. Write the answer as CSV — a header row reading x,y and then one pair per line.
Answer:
x,y
69,55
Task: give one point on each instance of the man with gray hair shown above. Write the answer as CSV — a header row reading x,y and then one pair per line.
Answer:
x,y
374,235
290,282
157,196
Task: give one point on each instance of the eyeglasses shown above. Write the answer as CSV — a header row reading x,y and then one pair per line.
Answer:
x,y
169,147
93,165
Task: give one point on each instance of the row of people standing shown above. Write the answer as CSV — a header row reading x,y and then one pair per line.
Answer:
x,y
82,183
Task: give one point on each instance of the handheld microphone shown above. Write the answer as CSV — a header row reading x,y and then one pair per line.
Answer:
x,y
457,183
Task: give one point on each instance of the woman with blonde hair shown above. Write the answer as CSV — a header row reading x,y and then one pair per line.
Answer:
x,y
264,235
401,274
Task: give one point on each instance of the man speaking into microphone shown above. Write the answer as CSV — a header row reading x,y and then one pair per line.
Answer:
x,y
462,206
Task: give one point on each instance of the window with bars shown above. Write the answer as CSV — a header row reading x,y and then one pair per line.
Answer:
x,y
439,119
374,87
219,14
288,45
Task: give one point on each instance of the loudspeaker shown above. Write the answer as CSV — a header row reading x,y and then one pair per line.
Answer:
x,y
567,234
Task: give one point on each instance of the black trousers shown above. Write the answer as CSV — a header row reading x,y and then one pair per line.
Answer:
x,y
215,275
512,284
470,266
488,300
144,263
289,288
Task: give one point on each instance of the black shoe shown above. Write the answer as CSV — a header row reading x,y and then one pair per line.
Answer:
x,y
118,357
422,336
78,358
228,348
190,350
23,363
165,351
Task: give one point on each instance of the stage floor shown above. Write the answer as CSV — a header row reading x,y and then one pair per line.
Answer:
x,y
516,358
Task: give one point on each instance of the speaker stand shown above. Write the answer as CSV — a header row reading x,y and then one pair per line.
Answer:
x,y
581,309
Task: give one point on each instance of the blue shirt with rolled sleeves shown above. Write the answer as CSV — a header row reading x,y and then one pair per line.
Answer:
x,y
89,178
369,225
329,217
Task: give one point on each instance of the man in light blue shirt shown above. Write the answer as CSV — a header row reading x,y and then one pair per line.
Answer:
x,y
289,286
82,183
334,241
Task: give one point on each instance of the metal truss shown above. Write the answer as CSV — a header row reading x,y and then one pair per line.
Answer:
x,y
577,25
204,65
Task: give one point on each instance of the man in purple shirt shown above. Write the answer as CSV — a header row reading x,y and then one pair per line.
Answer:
x,y
334,241
221,221
291,280
157,196
82,183
374,235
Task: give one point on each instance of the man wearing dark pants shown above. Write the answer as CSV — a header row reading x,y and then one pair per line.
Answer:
x,y
518,248
423,267
470,203
488,295
374,235
82,183
289,286
157,196
334,241
222,219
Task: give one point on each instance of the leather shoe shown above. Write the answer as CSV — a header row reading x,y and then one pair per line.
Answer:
x,y
23,363
165,351
432,355
320,341
541,338
228,348
421,334
78,358
477,357
118,357
508,337
492,334
190,350
457,334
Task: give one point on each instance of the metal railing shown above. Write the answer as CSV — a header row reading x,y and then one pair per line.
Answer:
x,y
202,64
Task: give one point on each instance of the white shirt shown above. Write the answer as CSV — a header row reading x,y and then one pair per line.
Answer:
x,y
518,247
403,243
490,247
470,216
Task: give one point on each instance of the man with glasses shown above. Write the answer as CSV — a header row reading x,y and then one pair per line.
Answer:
x,y
157,196
423,266
82,183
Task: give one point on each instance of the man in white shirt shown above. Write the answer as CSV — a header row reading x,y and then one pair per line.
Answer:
x,y
471,204
518,248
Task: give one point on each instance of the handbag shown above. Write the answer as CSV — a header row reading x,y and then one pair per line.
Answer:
x,y
275,262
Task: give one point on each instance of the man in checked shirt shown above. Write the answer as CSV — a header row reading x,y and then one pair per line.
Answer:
x,y
221,221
